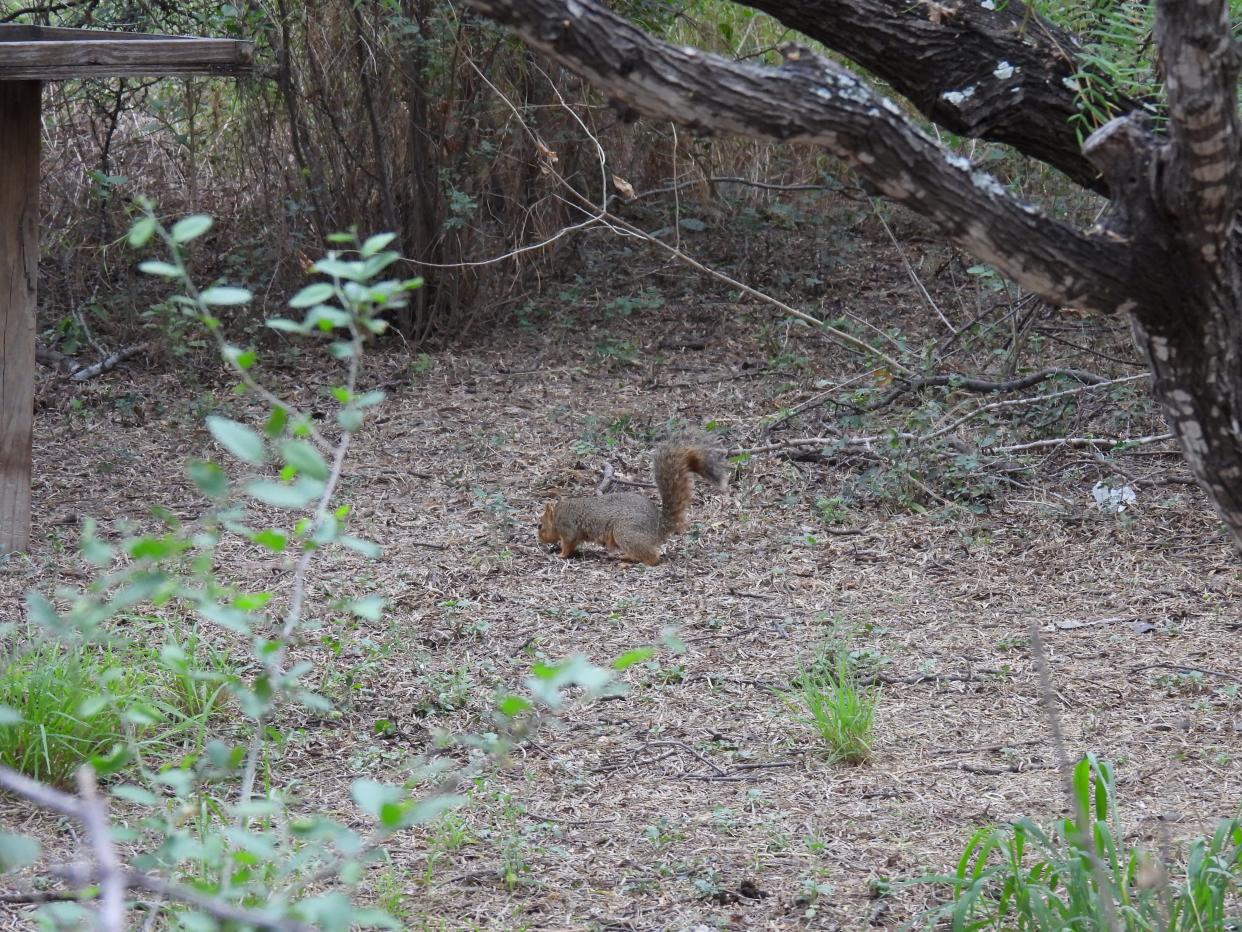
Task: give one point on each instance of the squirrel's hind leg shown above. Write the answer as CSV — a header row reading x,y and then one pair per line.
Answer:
x,y
637,546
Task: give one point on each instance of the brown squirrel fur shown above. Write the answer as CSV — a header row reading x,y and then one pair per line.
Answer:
x,y
633,523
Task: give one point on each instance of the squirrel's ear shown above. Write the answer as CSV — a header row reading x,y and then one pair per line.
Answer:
x,y
549,511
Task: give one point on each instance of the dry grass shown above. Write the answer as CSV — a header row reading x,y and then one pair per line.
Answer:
x,y
697,799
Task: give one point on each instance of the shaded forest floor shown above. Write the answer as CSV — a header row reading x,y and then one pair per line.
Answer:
x,y
699,798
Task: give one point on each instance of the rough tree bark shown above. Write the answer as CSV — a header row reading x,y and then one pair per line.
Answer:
x,y
1165,253
1002,74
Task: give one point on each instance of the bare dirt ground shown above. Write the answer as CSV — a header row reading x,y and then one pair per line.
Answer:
x,y
698,799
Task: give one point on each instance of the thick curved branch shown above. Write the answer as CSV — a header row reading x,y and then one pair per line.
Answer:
x,y
995,71
1200,74
815,101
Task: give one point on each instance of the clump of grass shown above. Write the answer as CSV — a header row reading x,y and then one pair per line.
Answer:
x,y
1080,874
833,700
79,702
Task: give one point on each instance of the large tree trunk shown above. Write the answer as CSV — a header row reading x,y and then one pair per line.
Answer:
x,y
1165,253
1176,202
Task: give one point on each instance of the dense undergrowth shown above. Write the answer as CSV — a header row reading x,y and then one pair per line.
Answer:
x,y
417,118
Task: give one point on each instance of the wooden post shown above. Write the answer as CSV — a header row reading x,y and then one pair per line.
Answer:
x,y
19,269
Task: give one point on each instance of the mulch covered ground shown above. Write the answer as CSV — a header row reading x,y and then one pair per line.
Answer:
x,y
699,798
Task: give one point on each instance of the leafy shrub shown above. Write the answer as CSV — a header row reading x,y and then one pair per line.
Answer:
x,y
72,702
222,839
842,710
1082,874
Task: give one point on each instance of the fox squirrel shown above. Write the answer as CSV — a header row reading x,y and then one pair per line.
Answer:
x,y
633,523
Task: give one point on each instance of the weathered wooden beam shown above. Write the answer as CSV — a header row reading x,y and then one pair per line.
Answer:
x,y
108,56
16,32
19,270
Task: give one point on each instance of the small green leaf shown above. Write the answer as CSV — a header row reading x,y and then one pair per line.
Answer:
x,y
311,295
92,706
313,700
276,422
365,547
243,359
304,458
112,762
154,548
238,439
163,269
375,243
174,657
191,227
279,495
370,608
141,232
94,550
511,706
225,295
377,264
10,716
372,796
135,794
209,478
287,326
326,317
252,601
225,616
327,531
631,657
17,851
427,810
372,917
273,540
41,610
338,268
349,419
341,349
331,912
547,681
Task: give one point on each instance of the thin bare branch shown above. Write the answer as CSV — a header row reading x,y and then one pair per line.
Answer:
x,y
93,813
46,797
813,100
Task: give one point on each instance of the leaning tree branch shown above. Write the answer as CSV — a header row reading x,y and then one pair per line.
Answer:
x,y
812,100
1201,75
995,71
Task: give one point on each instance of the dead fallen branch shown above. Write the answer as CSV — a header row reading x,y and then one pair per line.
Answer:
x,y
870,441
1182,668
985,386
1101,442
76,371
111,361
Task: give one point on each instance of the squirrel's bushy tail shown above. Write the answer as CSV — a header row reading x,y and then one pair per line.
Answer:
x,y
674,462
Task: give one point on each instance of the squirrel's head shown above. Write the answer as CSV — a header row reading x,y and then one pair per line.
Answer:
x,y
547,525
